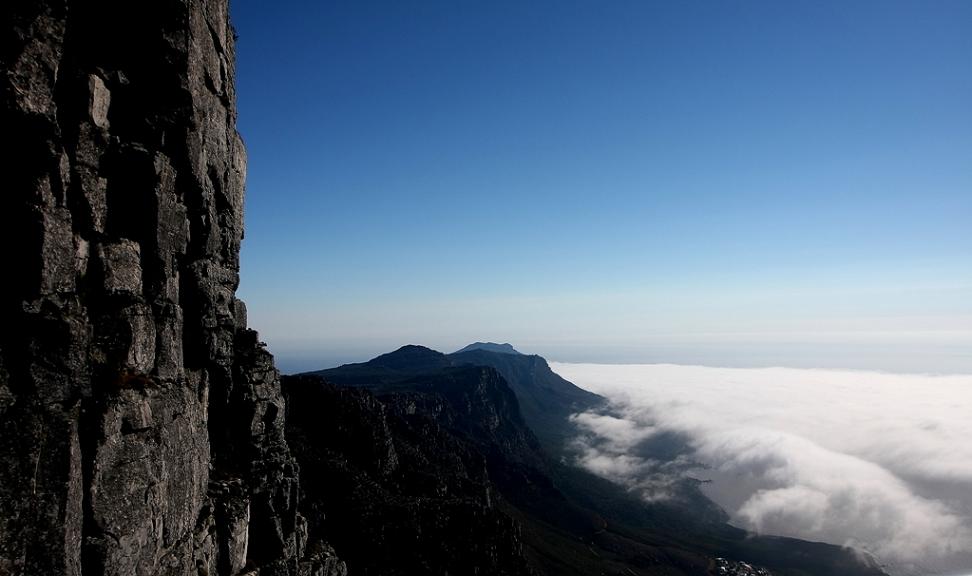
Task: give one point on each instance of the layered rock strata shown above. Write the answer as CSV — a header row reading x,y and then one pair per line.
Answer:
x,y
141,422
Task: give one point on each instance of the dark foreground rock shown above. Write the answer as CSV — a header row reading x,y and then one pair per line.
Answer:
x,y
141,422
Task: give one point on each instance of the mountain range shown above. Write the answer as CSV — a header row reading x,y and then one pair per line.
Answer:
x,y
462,463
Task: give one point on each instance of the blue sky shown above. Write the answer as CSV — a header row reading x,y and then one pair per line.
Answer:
x,y
724,183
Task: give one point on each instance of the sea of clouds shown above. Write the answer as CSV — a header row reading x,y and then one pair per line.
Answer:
x,y
879,462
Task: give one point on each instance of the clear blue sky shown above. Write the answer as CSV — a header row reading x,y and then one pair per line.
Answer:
x,y
718,182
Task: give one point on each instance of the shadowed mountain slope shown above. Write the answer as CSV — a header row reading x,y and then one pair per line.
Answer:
x,y
561,519
545,399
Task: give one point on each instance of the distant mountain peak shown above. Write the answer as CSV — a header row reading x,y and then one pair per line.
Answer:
x,y
414,349
409,356
504,348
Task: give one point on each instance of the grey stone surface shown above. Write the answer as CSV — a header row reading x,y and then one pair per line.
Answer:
x,y
141,421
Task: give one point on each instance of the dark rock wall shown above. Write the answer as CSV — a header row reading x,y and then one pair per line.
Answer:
x,y
141,422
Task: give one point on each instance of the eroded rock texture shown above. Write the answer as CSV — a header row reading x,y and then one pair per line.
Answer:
x,y
141,422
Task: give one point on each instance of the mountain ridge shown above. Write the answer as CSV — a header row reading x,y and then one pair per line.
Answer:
x,y
619,530
505,348
545,398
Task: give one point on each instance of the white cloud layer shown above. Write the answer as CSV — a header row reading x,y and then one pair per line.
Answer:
x,y
881,462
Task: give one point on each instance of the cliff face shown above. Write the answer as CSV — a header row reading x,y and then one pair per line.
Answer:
x,y
141,422
412,472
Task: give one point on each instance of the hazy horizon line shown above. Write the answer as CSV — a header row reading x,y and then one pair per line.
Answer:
x,y
290,361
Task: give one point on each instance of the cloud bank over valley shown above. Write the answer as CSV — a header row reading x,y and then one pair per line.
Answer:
x,y
881,462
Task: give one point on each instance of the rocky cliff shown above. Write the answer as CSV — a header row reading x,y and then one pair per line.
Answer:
x,y
408,478
141,422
